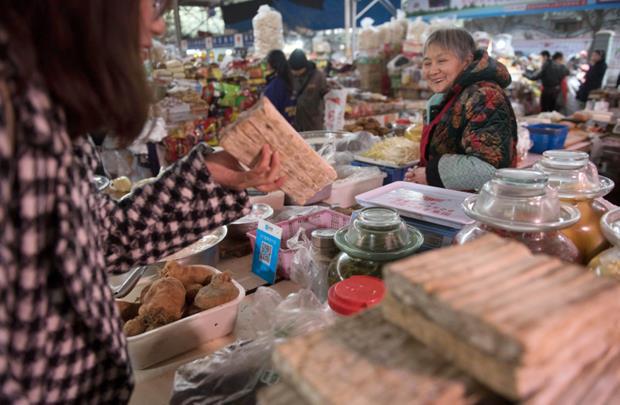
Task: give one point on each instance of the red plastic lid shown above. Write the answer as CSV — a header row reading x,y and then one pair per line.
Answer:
x,y
403,121
355,294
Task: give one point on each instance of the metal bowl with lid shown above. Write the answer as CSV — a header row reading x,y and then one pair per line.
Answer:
x,y
521,205
521,201
377,236
578,182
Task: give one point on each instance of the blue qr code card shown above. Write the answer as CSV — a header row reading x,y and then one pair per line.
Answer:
x,y
265,259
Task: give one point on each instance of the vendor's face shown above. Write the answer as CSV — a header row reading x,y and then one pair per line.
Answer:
x,y
441,67
595,57
151,22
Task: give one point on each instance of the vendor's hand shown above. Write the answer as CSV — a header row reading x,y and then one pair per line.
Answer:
x,y
264,176
416,175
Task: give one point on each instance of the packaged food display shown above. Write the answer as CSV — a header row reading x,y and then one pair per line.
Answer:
x,y
521,204
396,150
376,236
578,183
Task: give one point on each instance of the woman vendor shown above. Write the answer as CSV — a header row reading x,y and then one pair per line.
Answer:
x,y
66,69
470,128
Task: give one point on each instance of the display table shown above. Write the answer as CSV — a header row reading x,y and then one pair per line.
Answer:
x,y
153,386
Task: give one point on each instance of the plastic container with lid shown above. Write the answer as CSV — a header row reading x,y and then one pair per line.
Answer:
x,y
577,182
355,294
607,263
521,205
376,236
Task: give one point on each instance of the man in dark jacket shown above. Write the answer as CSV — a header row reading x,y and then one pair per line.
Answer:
x,y
594,76
309,87
551,75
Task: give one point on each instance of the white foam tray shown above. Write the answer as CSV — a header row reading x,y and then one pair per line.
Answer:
x,y
425,203
167,341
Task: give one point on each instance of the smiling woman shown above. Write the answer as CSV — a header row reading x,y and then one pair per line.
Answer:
x,y
470,129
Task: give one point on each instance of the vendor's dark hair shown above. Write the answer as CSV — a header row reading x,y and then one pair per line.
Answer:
x,y
558,55
546,54
277,61
456,40
88,55
601,53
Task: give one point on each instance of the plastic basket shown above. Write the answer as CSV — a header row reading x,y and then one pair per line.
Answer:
x,y
319,220
547,137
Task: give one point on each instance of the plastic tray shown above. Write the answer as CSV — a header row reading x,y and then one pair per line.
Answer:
x,y
167,341
322,219
343,194
425,203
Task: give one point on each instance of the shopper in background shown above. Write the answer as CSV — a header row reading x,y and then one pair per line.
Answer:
x,y
279,88
561,100
310,87
68,68
470,129
594,76
551,75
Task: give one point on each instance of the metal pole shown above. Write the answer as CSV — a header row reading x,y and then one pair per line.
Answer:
x,y
347,29
177,24
353,27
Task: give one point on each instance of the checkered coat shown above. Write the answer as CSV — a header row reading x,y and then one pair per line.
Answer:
x,y
61,337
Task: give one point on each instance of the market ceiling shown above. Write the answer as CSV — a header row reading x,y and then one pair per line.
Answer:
x,y
313,14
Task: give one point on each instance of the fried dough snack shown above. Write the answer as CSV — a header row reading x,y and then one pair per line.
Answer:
x,y
220,291
135,326
163,303
188,275
128,310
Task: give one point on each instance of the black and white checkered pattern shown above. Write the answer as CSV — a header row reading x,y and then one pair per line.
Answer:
x,y
61,339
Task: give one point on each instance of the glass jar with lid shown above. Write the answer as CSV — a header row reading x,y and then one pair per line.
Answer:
x,y
521,205
377,236
607,263
578,183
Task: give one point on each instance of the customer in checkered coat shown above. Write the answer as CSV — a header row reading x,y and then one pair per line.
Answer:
x,y
66,68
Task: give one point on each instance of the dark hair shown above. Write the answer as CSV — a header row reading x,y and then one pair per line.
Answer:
x,y
558,55
88,55
277,60
456,40
601,53
546,54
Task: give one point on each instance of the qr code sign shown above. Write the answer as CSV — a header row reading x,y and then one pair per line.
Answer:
x,y
265,253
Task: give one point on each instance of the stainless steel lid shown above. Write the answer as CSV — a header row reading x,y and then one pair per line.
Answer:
x,y
610,225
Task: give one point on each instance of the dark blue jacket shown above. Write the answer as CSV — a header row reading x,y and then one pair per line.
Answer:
x,y
281,97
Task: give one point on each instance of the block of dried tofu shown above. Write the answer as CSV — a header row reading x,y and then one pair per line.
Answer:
x,y
520,323
307,173
366,360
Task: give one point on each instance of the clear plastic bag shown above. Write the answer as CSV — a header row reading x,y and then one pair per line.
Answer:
x,y
234,374
307,270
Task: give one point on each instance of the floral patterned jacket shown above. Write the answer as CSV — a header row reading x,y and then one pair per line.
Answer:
x,y
477,120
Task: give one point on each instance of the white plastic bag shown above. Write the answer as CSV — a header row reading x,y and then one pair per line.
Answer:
x,y
335,105
268,33
368,40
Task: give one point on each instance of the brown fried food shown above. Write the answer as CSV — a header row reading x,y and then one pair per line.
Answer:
x,y
135,326
191,310
188,275
164,301
191,292
144,291
220,291
128,310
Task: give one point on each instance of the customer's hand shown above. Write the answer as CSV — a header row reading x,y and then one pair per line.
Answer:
x,y
264,175
416,175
